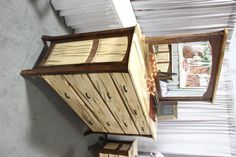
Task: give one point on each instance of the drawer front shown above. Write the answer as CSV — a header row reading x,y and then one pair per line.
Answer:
x,y
61,86
87,92
126,89
108,91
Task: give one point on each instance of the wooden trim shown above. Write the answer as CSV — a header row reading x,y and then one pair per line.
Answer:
x,y
217,41
142,135
85,67
90,35
77,69
126,58
93,51
220,62
181,38
45,57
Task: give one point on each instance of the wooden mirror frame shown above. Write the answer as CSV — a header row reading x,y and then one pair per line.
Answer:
x,y
218,43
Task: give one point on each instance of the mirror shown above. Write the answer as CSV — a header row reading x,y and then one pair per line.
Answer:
x,y
184,69
187,66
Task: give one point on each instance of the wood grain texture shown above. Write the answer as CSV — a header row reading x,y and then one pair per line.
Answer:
x,y
93,51
111,49
111,146
138,74
70,53
114,155
85,89
103,155
61,86
76,69
97,50
105,86
127,92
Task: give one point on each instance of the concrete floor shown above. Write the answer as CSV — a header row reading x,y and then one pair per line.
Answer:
x,y
34,121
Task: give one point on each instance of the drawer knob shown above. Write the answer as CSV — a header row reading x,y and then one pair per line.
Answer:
x,y
135,112
87,95
125,125
108,124
90,123
108,95
142,128
68,97
124,88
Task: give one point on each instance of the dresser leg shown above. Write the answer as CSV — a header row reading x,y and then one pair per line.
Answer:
x,y
87,132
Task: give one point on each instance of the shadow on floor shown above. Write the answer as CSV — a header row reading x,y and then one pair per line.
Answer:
x,y
55,128
42,9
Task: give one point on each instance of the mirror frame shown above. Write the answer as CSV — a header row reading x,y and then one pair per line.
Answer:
x,y
218,42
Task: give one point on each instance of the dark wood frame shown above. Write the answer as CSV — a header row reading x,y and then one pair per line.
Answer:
x,y
40,69
170,63
218,43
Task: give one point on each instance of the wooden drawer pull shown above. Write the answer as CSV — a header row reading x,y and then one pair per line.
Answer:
x,y
90,123
108,95
135,112
87,95
125,125
124,88
108,124
68,97
142,128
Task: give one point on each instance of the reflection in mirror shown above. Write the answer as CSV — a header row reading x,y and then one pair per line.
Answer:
x,y
184,69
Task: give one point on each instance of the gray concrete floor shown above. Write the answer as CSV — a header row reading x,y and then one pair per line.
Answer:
x,y
34,121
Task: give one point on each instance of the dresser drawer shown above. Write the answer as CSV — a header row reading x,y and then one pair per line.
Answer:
x,y
87,92
126,89
61,86
109,93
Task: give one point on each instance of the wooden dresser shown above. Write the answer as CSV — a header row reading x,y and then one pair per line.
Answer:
x,y
102,77
119,149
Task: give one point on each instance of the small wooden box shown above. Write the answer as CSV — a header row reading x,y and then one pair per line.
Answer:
x,y
102,77
119,148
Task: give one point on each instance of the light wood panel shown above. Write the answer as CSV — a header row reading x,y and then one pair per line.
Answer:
x,y
103,155
111,146
138,72
70,53
111,49
77,52
134,149
85,89
125,147
105,86
61,86
126,89
114,155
